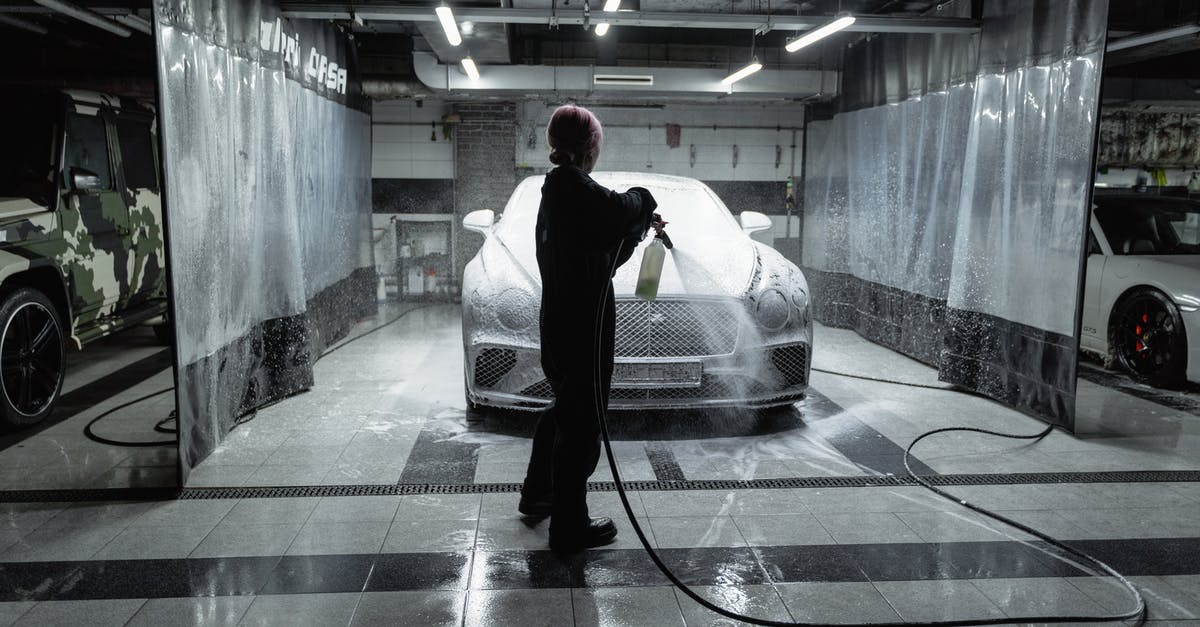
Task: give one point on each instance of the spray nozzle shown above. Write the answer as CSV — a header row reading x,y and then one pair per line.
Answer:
x,y
659,226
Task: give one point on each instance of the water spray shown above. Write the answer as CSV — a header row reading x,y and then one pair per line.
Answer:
x,y
651,273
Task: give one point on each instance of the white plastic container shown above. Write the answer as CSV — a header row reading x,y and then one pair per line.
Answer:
x,y
651,272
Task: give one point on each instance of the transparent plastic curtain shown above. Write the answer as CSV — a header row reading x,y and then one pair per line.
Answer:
x,y
1012,308
268,195
945,203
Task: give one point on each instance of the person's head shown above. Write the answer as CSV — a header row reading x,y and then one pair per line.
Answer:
x,y
574,135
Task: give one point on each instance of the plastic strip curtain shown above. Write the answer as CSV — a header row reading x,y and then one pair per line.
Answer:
x,y
945,204
1018,248
268,196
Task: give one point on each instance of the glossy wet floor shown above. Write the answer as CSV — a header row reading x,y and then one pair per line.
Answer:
x,y
441,542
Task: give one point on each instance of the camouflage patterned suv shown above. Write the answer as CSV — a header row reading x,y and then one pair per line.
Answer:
x,y
81,244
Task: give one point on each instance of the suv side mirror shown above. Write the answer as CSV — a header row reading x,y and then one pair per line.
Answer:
x,y
480,221
753,222
84,181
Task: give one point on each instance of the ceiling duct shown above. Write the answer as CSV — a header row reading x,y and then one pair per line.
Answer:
x,y
539,81
644,80
662,19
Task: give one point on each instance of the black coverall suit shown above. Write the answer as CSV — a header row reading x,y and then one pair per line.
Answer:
x,y
580,227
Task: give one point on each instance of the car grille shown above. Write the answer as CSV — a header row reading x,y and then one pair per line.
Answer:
x,y
492,364
791,362
675,328
711,387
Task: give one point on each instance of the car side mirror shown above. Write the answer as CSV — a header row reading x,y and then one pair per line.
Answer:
x,y
480,221
84,180
753,222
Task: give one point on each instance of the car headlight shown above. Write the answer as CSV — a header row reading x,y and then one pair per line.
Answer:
x,y
515,309
773,310
800,299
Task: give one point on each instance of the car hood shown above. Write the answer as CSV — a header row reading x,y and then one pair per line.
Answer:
x,y
701,265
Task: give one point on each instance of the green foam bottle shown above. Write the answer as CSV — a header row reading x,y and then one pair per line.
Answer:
x,y
651,272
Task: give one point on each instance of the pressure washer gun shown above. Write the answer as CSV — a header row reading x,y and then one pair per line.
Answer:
x,y
659,226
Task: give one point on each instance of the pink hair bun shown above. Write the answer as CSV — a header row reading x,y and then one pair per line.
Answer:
x,y
573,133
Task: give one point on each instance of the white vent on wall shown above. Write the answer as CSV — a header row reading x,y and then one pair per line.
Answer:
x,y
623,79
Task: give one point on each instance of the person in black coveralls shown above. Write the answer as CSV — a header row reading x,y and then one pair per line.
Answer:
x,y
581,226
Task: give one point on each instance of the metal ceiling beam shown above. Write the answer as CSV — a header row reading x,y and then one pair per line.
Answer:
x,y
658,19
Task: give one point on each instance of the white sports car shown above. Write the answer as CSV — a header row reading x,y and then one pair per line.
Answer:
x,y
1141,304
730,326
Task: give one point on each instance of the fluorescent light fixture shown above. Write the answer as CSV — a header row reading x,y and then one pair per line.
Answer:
x,y
612,5
819,33
448,25
136,23
469,67
751,68
601,29
24,25
86,16
1144,39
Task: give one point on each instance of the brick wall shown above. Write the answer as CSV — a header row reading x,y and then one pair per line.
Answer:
x,y
485,171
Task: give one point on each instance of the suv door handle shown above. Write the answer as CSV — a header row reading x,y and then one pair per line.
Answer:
x,y
124,231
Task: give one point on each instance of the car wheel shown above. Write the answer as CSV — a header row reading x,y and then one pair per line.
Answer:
x,y
32,357
1148,338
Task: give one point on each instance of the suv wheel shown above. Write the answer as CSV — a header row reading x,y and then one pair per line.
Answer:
x,y
32,360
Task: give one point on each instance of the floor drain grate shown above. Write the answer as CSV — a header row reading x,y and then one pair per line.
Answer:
x,y
879,481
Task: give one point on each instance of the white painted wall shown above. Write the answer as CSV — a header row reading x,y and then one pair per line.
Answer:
x,y
635,140
401,145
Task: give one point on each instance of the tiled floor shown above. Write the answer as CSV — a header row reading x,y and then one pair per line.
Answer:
x,y
388,413
109,373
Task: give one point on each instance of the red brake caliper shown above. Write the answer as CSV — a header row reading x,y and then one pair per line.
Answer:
x,y
1139,347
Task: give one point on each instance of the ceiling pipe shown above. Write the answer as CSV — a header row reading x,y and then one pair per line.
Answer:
x,y
1134,41
86,16
25,25
536,81
660,19
135,22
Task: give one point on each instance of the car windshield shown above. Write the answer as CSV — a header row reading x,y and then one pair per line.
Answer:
x,y
693,213
27,158
1150,226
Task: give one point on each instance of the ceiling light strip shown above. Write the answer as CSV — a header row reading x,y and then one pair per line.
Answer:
x,y
817,34
470,68
446,17
749,69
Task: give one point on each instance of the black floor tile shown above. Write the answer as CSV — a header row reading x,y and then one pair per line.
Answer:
x,y
827,563
310,574
1158,556
507,570
419,571
719,566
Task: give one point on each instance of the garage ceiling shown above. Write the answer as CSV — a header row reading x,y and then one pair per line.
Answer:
x,y
519,32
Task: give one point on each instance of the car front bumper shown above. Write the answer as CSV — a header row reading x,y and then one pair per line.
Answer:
x,y
511,377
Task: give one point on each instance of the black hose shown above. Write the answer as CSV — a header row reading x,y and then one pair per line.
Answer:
x,y
91,435
161,427
1138,612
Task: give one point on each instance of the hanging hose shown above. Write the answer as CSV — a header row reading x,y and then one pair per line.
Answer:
x,y
1138,612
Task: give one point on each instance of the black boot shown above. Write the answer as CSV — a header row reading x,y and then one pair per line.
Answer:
x,y
597,532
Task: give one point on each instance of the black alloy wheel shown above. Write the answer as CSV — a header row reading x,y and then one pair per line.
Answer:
x,y
32,360
1149,338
